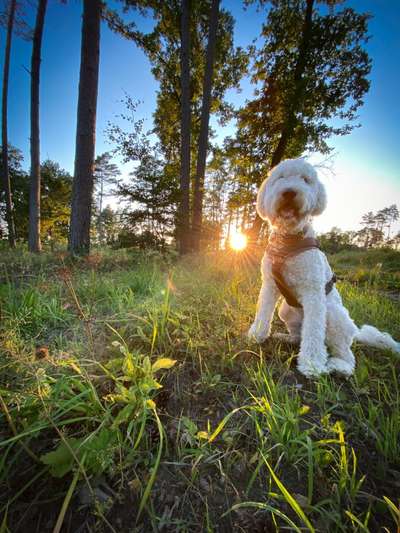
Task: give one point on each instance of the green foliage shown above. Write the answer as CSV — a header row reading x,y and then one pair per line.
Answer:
x,y
108,226
308,73
152,197
336,240
56,186
123,406
139,373
151,193
62,459
105,174
162,44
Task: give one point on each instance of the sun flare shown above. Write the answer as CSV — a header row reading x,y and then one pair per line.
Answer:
x,y
238,241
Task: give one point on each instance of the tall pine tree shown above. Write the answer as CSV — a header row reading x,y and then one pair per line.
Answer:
x,y
198,192
34,243
183,223
4,126
82,189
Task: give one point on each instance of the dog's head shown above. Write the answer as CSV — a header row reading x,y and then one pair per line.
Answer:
x,y
290,195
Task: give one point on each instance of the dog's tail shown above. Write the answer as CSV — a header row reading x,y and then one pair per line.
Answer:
x,y
373,337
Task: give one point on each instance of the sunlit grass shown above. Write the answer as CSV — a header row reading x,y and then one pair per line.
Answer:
x,y
235,436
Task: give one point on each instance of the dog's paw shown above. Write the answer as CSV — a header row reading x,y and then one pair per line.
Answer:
x,y
258,332
335,364
311,367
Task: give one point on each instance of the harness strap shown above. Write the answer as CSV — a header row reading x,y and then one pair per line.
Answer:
x,y
279,255
283,288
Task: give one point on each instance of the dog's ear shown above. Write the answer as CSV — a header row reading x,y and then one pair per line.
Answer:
x,y
261,201
320,204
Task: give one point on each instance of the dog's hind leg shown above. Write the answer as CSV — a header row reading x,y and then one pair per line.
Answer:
x,y
340,333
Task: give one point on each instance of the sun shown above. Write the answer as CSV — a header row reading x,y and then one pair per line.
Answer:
x,y
238,241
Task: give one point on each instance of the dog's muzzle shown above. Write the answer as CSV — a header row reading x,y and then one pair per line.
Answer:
x,y
289,204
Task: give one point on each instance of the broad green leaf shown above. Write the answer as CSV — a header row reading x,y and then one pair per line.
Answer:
x,y
147,365
128,368
61,460
164,362
124,415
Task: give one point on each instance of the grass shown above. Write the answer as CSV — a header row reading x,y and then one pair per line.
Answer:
x,y
130,400
377,268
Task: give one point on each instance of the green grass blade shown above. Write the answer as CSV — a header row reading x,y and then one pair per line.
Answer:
x,y
150,483
357,521
289,498
395,511
265,507
224,421
310,470
67,499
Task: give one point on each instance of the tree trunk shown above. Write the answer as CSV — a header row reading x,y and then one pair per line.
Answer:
x,y
184,206
34,244
203,136
82,188
101,221
295,104
4,129
290,121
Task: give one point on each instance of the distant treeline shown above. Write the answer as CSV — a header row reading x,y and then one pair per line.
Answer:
x,y
376,232
132,226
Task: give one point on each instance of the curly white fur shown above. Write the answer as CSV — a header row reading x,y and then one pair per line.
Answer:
x,y
323,325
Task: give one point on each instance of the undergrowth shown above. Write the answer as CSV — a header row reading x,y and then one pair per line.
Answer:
x,y
132,401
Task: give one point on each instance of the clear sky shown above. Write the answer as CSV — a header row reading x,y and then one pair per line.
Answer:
x,y
365,172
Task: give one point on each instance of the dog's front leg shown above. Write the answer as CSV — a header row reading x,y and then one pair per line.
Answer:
x,y
267,299
312,360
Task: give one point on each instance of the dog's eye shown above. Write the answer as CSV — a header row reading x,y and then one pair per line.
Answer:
x,y
305,178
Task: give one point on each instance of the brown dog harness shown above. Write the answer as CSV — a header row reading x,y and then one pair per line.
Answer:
x,y
279,249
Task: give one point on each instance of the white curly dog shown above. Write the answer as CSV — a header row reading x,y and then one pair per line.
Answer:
x,y
288,199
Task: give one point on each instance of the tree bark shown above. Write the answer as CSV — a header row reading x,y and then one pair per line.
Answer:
x,y
34,244
101,221
295,104
183,228
4,129
203,136
82,188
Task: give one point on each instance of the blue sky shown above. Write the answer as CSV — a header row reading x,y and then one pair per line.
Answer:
x,y
364,174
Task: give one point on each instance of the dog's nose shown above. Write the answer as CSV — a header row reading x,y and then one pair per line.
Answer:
x,y
289,194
